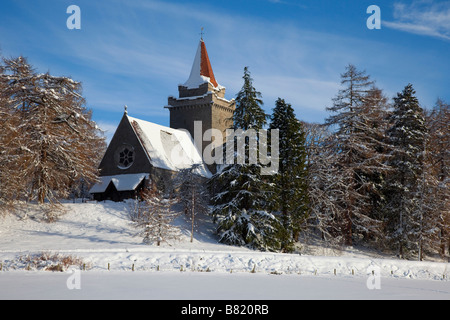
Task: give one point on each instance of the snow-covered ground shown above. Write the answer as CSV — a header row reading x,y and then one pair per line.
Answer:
x,y
119,265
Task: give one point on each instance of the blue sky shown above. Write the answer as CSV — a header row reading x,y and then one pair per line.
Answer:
x,y
136,52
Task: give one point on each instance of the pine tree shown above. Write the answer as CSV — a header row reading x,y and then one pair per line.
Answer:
x,y
289,184
357,141
407,135
241,194
55,143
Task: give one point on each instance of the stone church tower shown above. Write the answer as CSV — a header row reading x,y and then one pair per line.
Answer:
x,y
140,152
201,98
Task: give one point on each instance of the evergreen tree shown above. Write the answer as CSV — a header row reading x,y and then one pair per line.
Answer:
x,y
372,135
241,194
407,136
249,113
240,208
289,183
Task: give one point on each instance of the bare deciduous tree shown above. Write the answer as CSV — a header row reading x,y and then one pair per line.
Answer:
x,y
156,217
192,193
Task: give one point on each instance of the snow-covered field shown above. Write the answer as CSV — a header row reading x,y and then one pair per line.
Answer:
x,y
119,266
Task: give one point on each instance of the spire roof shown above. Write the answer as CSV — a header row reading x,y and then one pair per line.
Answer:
x,y
201,71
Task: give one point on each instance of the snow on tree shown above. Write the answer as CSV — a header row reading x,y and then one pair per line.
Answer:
x,y
8,143
240,201
434,183
289,185
52,141
427,209
239,208
407,135
249,113
326,186
193,193
359,152
155,217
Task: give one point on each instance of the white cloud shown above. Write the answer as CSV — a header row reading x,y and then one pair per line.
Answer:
x,y
423,17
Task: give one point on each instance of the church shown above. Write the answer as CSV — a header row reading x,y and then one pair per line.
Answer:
x,y
142,152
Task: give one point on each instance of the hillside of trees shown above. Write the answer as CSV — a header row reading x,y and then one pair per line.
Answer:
x,y
374,174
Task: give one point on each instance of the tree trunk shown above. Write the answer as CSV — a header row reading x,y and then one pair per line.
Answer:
x,y
192,217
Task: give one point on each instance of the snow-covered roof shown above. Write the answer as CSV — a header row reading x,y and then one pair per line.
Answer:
x,y
201,71
122,182
168,148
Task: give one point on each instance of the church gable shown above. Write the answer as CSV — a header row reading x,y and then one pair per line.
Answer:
x,y
140,146
125,154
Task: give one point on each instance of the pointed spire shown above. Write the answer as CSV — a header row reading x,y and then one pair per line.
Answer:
x,y
201,71
205,65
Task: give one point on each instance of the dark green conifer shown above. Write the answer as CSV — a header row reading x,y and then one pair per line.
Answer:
x,y
289,185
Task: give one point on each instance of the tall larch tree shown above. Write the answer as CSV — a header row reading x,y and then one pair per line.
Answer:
x,y
435,188
56,142
357,152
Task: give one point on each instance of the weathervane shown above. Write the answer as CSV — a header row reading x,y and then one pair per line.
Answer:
x,y
201,34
